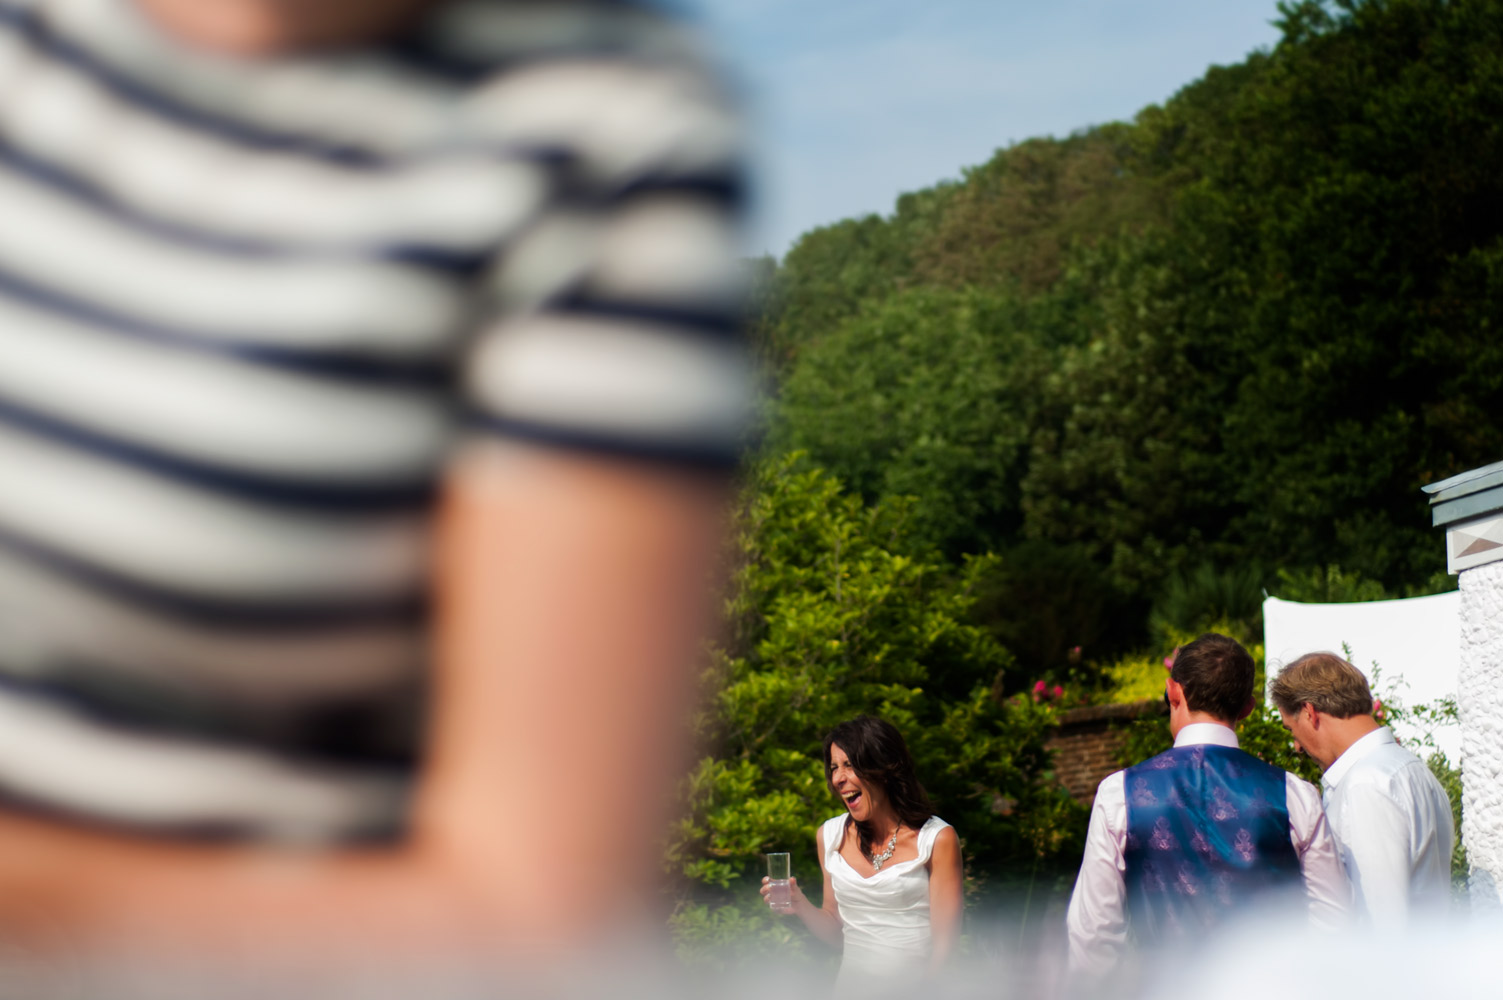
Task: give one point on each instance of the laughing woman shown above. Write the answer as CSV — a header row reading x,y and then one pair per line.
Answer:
x,y
892,873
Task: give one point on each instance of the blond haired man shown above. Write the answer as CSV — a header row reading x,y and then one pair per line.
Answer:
x,y
1390,817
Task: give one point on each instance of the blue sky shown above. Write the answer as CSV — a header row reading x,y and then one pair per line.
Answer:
x,y
857,101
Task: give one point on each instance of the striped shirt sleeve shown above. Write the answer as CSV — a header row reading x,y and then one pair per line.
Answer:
x,y
613,323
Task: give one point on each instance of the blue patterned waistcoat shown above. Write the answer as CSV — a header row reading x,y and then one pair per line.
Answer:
x,y
1207,833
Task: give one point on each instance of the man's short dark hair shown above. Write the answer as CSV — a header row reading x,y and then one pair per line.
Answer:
x,y
1217,675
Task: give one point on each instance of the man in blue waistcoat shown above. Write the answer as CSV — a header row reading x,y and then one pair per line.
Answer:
x,y
1181,842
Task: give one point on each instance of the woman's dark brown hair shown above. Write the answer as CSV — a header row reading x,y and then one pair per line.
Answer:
x,y
881,759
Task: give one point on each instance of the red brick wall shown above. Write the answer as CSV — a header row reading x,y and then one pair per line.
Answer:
x,y
1088,742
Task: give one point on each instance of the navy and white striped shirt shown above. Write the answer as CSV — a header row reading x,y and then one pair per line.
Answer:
x,y
247,308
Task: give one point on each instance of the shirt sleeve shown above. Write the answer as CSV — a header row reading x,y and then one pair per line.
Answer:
x,y
1376,849
1097,918
613,322
1326,888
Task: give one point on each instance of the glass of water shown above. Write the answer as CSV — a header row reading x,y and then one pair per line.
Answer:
x,y
781,897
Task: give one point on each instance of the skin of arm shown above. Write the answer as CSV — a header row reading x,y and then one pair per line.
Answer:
x,y
265,27
572,601
946,898
823,921
577,594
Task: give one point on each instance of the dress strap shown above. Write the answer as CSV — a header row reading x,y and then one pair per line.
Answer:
x,y
834,833
927,834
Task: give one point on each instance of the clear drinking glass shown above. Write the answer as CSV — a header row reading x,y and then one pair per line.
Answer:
x,y
781,897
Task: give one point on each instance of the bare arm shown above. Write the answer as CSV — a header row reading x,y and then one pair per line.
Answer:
x,y
568,585
575,590
823,920
946,896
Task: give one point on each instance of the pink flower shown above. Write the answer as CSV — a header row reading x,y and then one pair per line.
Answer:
x,y
1040,687
1057,692
1379,712
1169,660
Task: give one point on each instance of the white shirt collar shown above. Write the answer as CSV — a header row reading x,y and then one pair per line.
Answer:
x,y
1206,732
1379,737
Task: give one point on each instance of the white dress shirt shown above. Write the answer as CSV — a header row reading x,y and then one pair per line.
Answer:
x,y
1097,918
1392,823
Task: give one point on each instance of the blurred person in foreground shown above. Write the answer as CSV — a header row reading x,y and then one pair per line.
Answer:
x,y
1389,815
369,383
892,897
1184,842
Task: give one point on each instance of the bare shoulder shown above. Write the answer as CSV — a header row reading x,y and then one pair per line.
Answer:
x,y
947,838
944,855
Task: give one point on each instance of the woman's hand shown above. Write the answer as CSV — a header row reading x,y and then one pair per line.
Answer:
x,y
799,902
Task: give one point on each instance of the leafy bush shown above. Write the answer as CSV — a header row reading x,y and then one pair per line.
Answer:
x,y
1327,585
1053,610
1136,677
1331,584
1140,676
1230,595
1449,777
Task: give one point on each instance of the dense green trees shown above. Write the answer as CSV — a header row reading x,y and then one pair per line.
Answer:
x,y
1243,329
1354,190
926,394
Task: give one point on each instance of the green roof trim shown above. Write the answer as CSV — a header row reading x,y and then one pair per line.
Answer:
x,y
1466,483
1471,494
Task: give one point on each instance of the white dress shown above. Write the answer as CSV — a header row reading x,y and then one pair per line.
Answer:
x,y
885,917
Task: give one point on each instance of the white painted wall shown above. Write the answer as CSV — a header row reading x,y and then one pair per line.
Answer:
x,y
1481,703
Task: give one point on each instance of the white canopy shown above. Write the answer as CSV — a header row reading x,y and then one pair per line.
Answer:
x,y
1415,644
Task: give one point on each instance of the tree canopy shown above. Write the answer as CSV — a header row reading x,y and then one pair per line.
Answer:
x,y
1244,328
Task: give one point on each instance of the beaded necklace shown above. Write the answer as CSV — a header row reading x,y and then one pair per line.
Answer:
x,y
878,860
